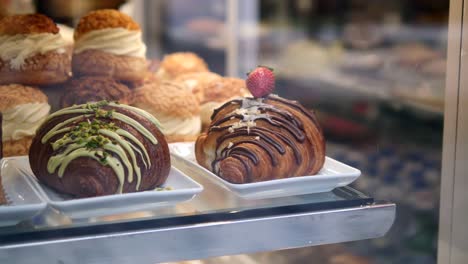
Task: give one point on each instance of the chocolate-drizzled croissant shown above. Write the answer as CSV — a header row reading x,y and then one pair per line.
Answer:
x,y
251,140
99,149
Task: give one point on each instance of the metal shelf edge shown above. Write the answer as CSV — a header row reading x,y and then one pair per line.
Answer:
x,y
211,239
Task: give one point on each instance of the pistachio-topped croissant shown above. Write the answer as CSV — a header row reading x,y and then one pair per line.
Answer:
x,y
260,139
99,149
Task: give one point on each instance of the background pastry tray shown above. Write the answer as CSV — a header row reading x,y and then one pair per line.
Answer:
x,y
333,174
180,188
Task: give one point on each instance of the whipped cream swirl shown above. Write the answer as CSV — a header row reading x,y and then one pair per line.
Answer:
x,y
23,120
118,41
17,48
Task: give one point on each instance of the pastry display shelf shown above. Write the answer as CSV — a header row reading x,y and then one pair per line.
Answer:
x,y
214,223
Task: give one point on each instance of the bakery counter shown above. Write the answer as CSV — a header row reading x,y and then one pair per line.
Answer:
x,y
214,223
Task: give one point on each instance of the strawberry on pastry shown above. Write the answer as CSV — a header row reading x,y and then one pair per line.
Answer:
x,y
261,81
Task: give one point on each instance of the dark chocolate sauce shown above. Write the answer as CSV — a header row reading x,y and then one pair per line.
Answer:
x,y
246,166
266,139
259,143
246,152
297,106
216,111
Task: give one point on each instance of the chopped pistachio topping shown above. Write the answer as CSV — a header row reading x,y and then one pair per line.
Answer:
x,y
87,133
96,105
102,157
93,133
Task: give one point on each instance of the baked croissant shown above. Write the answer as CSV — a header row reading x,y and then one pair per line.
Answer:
x,y
252,140
100,149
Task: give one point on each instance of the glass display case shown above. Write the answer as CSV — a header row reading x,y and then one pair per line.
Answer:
x,y
384,80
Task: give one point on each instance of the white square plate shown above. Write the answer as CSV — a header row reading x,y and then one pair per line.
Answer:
x,y
183,188
24,199
333,174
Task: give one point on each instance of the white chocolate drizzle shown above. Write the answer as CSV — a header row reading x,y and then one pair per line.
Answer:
x,y
92,134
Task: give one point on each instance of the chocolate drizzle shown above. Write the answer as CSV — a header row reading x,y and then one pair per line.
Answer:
x,y
243,123
246,166
297,106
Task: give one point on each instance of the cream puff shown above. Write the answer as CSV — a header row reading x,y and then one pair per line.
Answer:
x,y
23,108
174,106
32,51
197,81
109,43
217,93
179,63
67,34
93,89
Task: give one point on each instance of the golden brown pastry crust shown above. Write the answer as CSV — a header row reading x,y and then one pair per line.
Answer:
x,y
168,98
94,89
198,81
179,63
18,147
99,63
224,89
40,69
27,24
285,140
104,18
16,94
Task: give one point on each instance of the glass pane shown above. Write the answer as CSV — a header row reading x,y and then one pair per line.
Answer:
x,y
373,72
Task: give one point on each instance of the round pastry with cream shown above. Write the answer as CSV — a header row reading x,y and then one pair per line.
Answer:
x,y
95,88
23,108
67,34
179,63
98,149
32,51
197,81
219,91
175,107
109,43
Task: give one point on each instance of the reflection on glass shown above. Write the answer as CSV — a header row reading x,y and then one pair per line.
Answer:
x,y
375,73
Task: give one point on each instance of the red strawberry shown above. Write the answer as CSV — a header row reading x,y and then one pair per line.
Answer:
x,y
261,81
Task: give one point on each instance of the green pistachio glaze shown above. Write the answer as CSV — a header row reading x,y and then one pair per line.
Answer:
x,y
149,116
100,139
